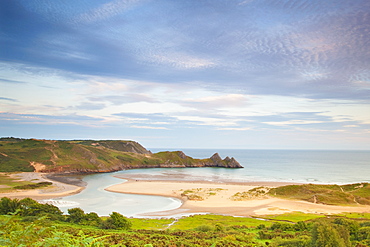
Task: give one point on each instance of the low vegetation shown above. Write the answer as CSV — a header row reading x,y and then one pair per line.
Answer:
x,y
28,223
33,186
199,194
350,194
255,193
9,183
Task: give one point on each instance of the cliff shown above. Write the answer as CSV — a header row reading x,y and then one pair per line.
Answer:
x,y
89,156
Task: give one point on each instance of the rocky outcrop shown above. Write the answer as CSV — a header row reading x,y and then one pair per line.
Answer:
x,y
179,159
227,162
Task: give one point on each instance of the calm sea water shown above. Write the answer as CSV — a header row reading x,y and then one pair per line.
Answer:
x,y
306,166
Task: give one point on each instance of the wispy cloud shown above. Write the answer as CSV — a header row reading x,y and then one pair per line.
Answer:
x,y
147,127
124,98
8,99
106,10
10,81
216,102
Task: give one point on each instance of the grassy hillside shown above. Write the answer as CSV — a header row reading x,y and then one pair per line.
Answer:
x,y
88,156
350,194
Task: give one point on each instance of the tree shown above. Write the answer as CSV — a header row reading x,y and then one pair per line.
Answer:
x,y
300,226
30,207
92,219
116,221
8,205
326,235
76,215
351,225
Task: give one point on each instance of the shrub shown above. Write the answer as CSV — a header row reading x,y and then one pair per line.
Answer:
x,y
8,206
325,234
116,221
204,228
33,186
76,215
30,207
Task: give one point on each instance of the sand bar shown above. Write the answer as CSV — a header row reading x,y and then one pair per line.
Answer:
x,y
57,189
218,199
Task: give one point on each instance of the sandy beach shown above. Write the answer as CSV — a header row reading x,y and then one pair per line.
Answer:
x,y
57,189
218,198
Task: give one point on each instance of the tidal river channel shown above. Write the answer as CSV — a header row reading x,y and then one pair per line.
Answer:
x,y
94,198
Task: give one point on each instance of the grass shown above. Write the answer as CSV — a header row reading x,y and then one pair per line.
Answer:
x,y
352,194
151,224
292,217
355,215
199,194
195,221
33,186
255,193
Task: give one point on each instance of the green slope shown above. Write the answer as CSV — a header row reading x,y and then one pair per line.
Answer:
x,y
350,194
90,156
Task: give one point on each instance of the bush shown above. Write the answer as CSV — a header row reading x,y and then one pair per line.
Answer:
x,y
294,243
281,226
8,206
116,221
204,228
325,234
30,207
78,216
33,186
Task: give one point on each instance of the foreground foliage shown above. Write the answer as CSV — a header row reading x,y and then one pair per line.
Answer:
x,y
28,223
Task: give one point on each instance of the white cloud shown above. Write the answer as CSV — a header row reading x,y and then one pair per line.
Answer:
x,y
218,101
236,129
293,122
105,11
148,127
179,60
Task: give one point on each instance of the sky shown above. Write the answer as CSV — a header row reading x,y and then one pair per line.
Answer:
x,y
228,74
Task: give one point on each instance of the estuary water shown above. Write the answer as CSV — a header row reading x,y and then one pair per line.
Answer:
x,y
301,166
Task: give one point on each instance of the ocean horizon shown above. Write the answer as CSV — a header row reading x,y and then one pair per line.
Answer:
x,y
281,165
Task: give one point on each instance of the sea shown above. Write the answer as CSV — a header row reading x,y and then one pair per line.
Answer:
x,y
296,166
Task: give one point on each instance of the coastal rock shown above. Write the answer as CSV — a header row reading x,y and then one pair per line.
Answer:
x,y
216,158
227,162
181,154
